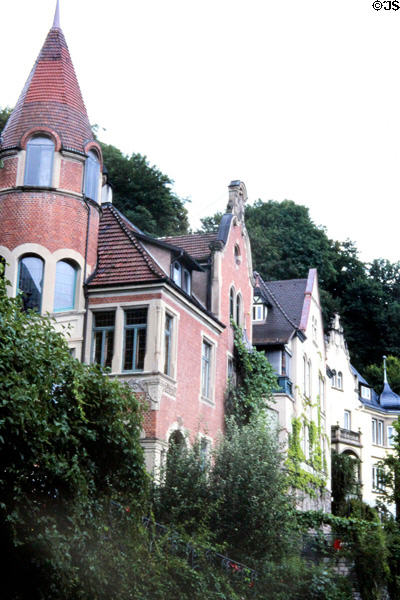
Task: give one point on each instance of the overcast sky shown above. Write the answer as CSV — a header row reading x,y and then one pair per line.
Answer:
x,y
298,99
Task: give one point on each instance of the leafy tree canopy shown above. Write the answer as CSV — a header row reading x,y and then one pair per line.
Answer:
x,y
286,244
143,193
69,445
4,114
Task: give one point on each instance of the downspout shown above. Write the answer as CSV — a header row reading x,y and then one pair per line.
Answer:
x,y
85,316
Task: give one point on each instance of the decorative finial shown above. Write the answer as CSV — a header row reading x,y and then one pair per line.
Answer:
x,y
384,370
56,22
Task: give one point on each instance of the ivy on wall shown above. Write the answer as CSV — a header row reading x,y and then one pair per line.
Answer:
x,y
313,482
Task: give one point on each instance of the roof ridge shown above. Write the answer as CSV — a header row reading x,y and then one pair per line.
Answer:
x,y
264,283
130,235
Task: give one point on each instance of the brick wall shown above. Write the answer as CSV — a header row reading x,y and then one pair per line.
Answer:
x,y
71,176
47,218
8,173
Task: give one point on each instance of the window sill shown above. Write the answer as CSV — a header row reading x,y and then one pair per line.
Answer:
x,y
208,401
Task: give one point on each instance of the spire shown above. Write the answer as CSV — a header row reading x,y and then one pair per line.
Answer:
x,y
388,399
56,22
384,371
51,98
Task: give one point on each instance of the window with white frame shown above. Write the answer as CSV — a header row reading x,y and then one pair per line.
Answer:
x,y
321,392
65,288
30,281
365,392
92,176
259,312
274,358
333,379
206,357
339,380
39,162
347,420
181,276
377,479
168,343
309,378
377,432
135,339
390,435
103,337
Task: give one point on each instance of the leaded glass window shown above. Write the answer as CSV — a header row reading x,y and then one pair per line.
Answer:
x,y
39,162
65,289
30,281
135,339
103,337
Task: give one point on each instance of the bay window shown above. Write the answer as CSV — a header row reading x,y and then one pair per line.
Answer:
x,y
135,339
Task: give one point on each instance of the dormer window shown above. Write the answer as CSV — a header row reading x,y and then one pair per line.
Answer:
x,y
92,176
181,277
39,162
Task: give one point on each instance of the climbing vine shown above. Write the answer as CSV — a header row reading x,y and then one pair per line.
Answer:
x,y
250,391
313,482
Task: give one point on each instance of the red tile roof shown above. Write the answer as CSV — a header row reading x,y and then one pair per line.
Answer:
x,y
196,244
51,98
121,257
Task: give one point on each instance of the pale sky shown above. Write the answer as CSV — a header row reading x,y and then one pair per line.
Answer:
x,y
298,99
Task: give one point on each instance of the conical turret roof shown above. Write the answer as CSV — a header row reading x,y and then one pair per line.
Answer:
x,y
388,398
51,98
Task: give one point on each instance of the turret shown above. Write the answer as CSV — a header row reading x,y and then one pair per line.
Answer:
x,y
50,185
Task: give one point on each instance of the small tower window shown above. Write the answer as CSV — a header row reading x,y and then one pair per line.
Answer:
x,y
232,303
92,175
65,290
39,162
30,281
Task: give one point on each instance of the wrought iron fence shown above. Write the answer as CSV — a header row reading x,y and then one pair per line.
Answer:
x,y
173,542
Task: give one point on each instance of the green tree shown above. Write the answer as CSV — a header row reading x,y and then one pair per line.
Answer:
x,y
374,374
4,114
143,193
69,445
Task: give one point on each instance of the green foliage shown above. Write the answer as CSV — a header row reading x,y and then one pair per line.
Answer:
x,y
69,443
362,543
344,481
255,381
286,244
374,374
4,114
143,193
210,224
239,500
314,482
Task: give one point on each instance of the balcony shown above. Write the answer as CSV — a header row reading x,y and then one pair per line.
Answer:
x,y
285,386
345,436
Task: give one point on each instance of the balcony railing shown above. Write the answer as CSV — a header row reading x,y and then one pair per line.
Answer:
x,y
285,386
345,436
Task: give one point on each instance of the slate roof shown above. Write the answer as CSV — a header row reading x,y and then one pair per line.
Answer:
x,y
286,299
196,244
51,98
388,401
122,258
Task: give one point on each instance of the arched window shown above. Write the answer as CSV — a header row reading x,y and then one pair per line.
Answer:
x,y
238,309
339,380
238,257
92,175
65,289
30,281
232,303
39,162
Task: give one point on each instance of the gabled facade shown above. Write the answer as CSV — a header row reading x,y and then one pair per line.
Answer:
x,y
289,329
155,311
362,421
